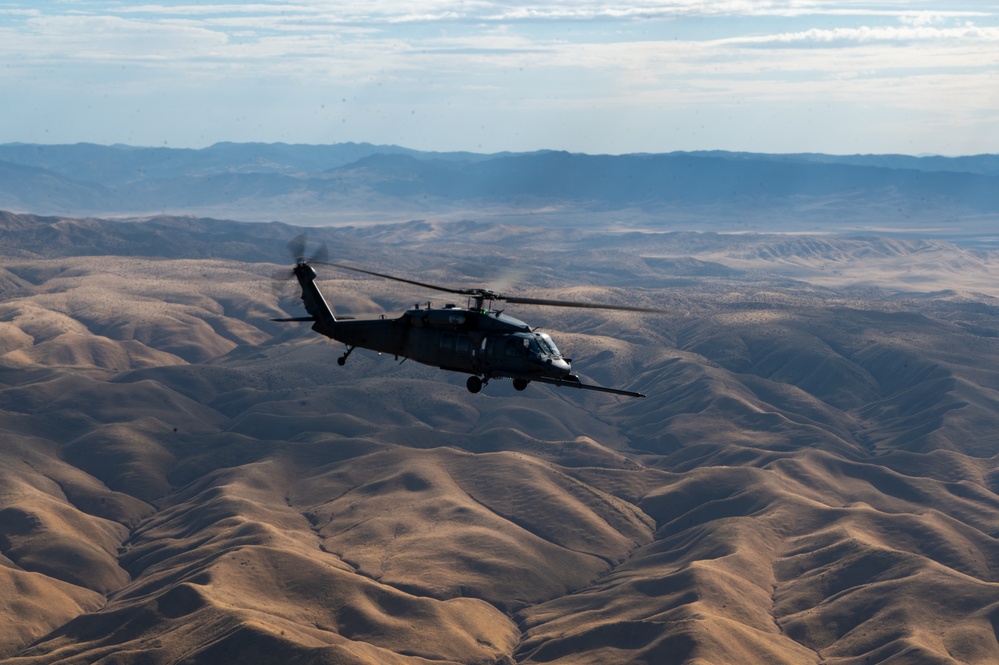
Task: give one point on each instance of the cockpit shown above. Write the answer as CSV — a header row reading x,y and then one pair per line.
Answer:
x,y
542,356
542,345
538,346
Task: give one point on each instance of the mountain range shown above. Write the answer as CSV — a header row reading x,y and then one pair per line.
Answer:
x,y
363,183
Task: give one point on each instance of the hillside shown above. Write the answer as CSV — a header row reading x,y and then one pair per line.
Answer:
x,y
811,478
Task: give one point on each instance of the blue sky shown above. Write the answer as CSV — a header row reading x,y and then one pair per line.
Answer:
x,y
768,76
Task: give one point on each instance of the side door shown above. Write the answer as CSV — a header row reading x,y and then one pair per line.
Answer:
x,y
454,351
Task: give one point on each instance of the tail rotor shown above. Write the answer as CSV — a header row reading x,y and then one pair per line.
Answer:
x,y
297,246
304,274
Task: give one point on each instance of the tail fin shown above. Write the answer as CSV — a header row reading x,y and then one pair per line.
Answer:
x,y
315,304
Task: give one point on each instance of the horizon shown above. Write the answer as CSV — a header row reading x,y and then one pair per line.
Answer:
x,y
837,78
538,150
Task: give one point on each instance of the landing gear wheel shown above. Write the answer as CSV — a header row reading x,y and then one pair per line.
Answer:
x,y
474,384
342,360
520,384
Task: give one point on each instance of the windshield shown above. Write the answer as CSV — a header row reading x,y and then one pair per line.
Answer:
x,y
547,345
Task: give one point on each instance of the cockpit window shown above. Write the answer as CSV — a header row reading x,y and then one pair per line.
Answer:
x,y
548,345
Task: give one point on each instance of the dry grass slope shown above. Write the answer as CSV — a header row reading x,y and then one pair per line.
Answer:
x,y
812,479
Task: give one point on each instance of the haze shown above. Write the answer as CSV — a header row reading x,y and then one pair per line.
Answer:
x,y
833,77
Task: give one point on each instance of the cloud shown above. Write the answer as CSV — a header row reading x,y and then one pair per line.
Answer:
x,y
869,34
109,38
487,58
328,12
921,19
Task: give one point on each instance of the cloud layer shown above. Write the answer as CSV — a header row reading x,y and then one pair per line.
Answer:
x,y
588,76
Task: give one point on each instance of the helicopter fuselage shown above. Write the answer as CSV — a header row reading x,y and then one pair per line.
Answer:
x,y
484,343
478,341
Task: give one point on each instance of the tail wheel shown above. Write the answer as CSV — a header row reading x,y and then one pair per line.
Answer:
x,y
520,384
342,360
474,384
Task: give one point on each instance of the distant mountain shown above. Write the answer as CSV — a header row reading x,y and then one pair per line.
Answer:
x,y
120,164
673,178
980,164
290,182
26,187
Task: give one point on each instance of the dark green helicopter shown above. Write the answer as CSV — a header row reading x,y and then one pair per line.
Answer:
x,y
475,340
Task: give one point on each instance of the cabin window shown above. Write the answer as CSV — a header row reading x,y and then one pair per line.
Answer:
x,y
515,347
447,342
464,344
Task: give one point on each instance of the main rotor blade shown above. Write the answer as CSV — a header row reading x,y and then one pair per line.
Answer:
x,y
489,295
583,305
435,287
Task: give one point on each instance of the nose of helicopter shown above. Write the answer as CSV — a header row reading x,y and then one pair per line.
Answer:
x,y
560,367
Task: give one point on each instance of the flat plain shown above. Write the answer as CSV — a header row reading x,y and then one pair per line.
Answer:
x,y
811,479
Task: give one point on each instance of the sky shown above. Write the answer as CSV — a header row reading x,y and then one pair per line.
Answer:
x,y
776,76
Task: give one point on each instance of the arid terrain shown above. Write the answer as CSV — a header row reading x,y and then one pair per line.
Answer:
x,y
811,480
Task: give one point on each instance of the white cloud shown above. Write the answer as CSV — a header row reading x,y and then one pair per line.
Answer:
x,y
921,19
404,66
108,38
456,11
867,34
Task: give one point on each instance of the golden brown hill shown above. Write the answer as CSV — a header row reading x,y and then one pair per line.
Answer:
x,y
812,478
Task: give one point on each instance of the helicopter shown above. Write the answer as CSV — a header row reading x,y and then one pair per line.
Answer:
x,y
476,340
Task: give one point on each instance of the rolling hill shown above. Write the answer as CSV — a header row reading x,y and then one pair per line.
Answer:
x,y
811,479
